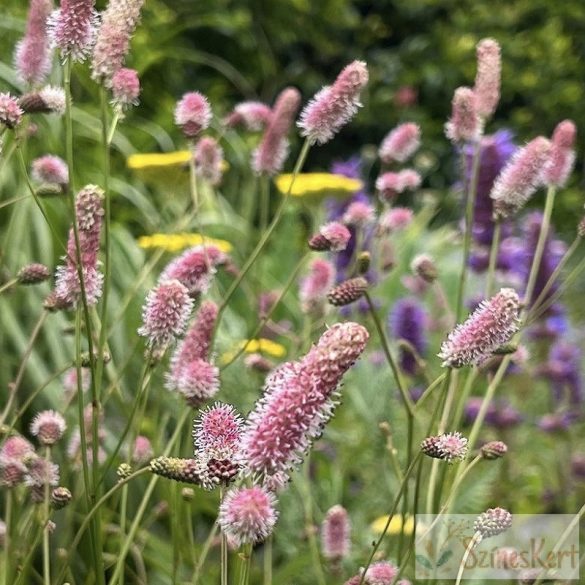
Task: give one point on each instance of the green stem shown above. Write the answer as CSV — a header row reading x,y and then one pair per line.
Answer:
x,y
309,524
204,553
268,561
434,384
468,550
493,258
8,285
223,549
13,200
46,528
123,508
7,538
246,560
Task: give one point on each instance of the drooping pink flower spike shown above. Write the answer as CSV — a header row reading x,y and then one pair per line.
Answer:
x,y
488,77
562,155
465,123
400,144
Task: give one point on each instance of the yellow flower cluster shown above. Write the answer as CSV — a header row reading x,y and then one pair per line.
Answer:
x,y
396,525
262,345
177,242
152,160
318,185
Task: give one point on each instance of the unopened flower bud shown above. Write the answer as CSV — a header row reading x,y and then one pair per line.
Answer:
x,y
60,497
348,291
48,426
188,493
494,450
124,471
492,522
424,266
332,237
33,274
364,260
184,470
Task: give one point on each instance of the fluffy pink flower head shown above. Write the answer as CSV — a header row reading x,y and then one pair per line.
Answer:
x,y
32,57
395,219
72,28
335,105
332,237
465,123
447,447
165,314
314,287
248,515
197,381
488,77
40,472
118,23
490,326
16,447
400,144
391,184
270,155
381,573
125,87
50,169
142,451
47,100
492,522
254,116
562,155
10,111
520,178
193,114
208,160
70,380
298,400
359,214
335,534
48,426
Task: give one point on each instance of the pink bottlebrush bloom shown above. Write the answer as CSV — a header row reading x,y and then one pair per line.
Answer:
x,y
332,237
72,28
390,184
208,160
254,116
490,326
125,88
270,155
400,144
335,105
298,400
447,447
10,111
165,314
40,472
348,291
520,178
465,123
32,57
248,515
409,180
193,114
33,274
492,522
142,451
13,456
562,155
335,534
381,573
314,287
359,214
197,381
47,100
118,23
395,219
48,426
488,77
50,169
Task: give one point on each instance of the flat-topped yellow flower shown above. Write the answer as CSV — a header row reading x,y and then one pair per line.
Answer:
x,y
261,345
395,527
318,185
180,241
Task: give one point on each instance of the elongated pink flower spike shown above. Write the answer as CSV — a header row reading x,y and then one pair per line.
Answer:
x,y
465,123
335,534
125,88
32,57
492,325
315,286
254,116
72,28
488,77
400,144
270,155
562,155
334,106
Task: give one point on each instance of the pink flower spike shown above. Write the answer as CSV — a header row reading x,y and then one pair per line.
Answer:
x,y
391,184
488,77
193,114
562,155
394,219
359,214
48,426
72,28
492,325
32,58
125,88
50,169
254,116
520,178
400,144
315,286
335,534
270,155
381,573
333,237
10,111
197,381
209,159
248,515
335,105
465,123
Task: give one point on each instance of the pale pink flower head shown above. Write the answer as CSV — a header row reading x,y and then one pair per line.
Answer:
x,y
492,522
359,214
32,57
197,381
562,155
40,472
248,515
332,237
33,274
125,88
72,28
254,116
520,178
400,144
335,534
395,219
381,573
70,380
448,447
165,314
490,326
270,155
335,105
10,111
142,451
118,23
193,114
465,123
314,287
47,100
391,184
208,160
488,77
50,169
16,447
48,426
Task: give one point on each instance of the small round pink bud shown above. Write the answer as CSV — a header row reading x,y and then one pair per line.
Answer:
x,y
333,236
494,450
10,111
425,267
394,219
50,169
125,87
348,291
465,123
48,426
193,114
488,77
33,274
209,159
60,497
335,534
492,522
359,214
400,144
390,184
